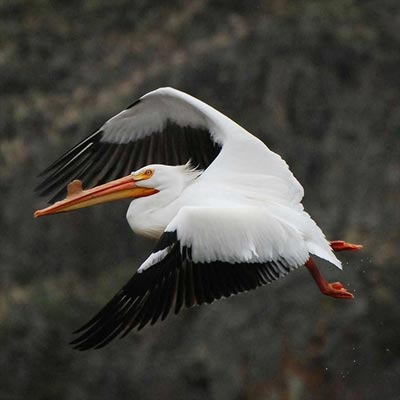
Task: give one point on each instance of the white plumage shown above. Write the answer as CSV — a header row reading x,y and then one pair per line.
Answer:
x,y
226,209
247,182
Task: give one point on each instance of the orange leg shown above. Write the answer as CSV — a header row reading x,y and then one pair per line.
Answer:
x,y
340,245
335,289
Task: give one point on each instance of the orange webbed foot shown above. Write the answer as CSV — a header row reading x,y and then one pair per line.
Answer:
x,y
336,290
340,245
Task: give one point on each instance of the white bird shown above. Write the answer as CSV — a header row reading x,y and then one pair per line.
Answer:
x,y
225,209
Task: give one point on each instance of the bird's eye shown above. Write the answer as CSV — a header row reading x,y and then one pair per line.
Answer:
x,y
148,172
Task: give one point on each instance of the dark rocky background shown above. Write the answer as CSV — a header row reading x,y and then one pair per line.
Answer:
x,y
318,81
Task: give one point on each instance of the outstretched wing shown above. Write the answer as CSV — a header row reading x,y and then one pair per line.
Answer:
x,y
165,126
248,248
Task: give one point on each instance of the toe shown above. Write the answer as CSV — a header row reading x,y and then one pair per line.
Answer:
x,y
344,294
337,285
338,291
340,245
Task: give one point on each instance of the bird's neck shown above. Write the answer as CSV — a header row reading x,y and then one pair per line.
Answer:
x,y
149,216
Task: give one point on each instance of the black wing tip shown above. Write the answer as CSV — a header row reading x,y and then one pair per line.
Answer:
x,y
97,134
85,160
91,342
83,346
100,338
172,284
51,181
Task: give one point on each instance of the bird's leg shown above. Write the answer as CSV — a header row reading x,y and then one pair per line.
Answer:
x,y
335,289
340,245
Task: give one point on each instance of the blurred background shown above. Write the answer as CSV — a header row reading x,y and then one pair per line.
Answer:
x,y
318,81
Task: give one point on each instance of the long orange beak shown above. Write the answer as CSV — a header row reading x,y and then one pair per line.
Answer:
x,y
78,198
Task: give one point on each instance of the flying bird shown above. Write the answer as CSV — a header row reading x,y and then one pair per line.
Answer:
x,y
225,210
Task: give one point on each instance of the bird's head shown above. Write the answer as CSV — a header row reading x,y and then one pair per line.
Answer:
x,y
146,181
164,177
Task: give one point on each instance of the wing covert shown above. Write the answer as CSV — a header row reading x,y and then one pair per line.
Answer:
x,y
162,127
176,276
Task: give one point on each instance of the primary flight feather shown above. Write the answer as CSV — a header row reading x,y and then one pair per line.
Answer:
x,y
225,209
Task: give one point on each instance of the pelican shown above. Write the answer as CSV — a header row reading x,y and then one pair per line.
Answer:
x,y
225,210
